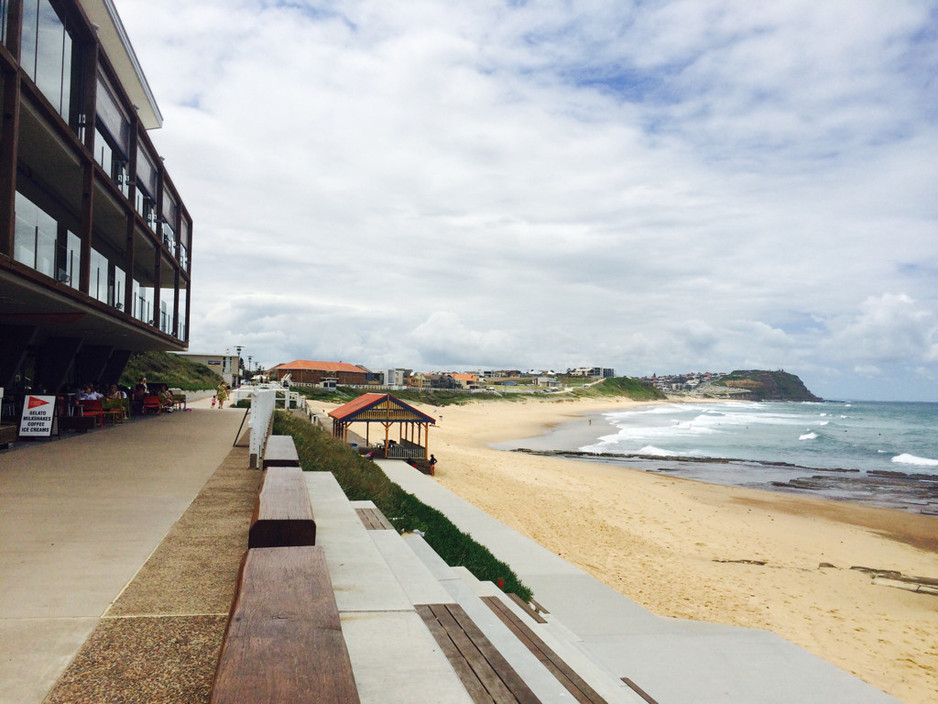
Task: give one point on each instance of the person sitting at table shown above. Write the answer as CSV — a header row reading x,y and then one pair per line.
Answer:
x,y
115,393
88,393
166,399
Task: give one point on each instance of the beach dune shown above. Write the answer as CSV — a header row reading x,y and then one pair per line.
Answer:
x,y
712,553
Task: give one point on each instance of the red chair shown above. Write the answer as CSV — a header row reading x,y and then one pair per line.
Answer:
x,y
151,404
93,408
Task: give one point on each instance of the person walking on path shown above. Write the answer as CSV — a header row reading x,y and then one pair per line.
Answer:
x,y
222,393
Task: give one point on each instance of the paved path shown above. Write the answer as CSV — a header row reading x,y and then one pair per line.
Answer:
x,y
79,516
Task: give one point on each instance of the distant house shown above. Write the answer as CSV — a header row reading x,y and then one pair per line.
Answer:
x,y
227,366
304,372
466,381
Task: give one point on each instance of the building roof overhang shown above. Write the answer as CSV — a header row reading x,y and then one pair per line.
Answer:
x,y
54,311
116,44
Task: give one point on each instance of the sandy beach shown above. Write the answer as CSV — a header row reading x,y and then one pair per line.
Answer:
x,y
712,553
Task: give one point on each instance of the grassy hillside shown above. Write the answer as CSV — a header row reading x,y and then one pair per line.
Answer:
x,y
178,372
768,386
622,386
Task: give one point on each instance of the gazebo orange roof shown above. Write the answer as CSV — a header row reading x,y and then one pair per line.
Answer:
x,y
379,407
388,411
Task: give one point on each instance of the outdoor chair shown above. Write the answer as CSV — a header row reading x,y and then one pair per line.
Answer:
x,y
151,404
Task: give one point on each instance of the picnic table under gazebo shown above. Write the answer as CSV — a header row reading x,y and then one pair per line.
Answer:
x,y
413,426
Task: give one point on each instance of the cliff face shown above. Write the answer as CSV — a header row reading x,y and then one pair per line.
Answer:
x,y
769,386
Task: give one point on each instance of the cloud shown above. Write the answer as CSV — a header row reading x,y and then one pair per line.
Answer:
x,y
648,186
888,328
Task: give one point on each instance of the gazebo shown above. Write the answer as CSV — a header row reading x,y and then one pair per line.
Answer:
x,y
413,426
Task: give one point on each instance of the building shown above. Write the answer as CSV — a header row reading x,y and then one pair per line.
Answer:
x,y
303,372
227,366
95,241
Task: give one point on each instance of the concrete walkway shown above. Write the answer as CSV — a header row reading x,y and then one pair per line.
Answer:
x,y
79,516
672,660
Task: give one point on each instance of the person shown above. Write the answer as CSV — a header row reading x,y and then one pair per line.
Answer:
x,y
89,394
115,393
432,461
166,399
221,393
143,383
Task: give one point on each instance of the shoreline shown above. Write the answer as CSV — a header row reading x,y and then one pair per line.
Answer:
x,y
689,549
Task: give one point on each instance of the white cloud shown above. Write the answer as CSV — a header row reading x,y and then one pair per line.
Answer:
x,y
654,187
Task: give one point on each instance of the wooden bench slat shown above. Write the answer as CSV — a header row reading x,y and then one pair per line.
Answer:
x,y
284,515
578,687
284,639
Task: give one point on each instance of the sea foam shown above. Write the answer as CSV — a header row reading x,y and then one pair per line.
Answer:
x,y
808,436
906,458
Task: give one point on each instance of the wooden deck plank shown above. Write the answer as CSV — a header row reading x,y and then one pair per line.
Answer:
x,y
474,687
373,519
639,691
578,687
469,649
528,609
495,660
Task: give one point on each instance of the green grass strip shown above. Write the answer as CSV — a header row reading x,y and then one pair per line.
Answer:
x,y
361,479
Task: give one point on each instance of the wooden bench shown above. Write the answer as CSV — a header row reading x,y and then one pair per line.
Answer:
x,y
283,516
284,639
280,451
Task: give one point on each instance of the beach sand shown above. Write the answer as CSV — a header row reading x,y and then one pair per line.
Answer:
x,y
687,549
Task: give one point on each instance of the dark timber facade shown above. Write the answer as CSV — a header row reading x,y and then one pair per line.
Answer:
x,y
95,242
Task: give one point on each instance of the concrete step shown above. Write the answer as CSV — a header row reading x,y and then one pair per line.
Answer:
x,y
394,657
464,590
561,640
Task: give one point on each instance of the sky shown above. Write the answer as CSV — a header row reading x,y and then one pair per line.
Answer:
x,y
658,187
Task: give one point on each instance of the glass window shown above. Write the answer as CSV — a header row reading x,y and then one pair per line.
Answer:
x,y
70,267
98,283
118,286
143,303
4,14
111,118
111,160
46,53
34,239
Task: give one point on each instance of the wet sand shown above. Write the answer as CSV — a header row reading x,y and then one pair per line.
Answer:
x,y
722,554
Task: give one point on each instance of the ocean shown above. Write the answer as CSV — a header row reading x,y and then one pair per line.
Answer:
x,y
883,454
